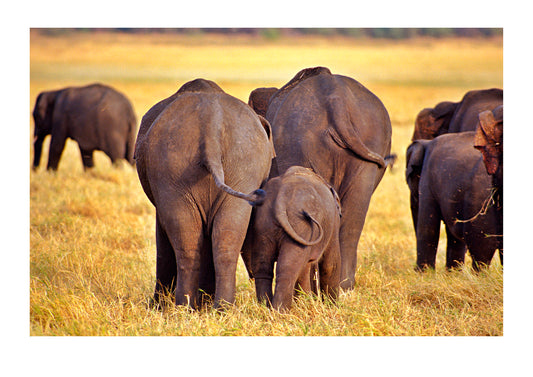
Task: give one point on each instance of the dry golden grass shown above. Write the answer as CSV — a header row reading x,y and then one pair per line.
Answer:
x,y
92,242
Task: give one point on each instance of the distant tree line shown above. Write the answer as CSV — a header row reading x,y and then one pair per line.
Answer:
x,y
274,33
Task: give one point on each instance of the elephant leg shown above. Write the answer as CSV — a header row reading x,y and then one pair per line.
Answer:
x,y
455,250
427,232
87,158
183,227
229,230
57,144
355,199
292,261
263,260
482,248
166,269
330,269
305,280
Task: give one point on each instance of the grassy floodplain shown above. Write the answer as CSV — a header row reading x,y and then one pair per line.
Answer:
x,y
92,242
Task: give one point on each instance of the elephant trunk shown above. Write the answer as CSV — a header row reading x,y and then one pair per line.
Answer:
x,y
37,150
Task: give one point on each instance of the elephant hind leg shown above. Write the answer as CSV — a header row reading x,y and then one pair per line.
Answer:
x,y
184,230
165,265
87,158
482,250
306,282
227,237
455,250
330,270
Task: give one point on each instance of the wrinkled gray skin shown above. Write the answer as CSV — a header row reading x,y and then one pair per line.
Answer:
x,y
336,127
97,117
198,153
298,227
451,117
449,182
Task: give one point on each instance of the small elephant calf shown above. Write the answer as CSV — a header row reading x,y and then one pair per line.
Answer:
x,y
297,226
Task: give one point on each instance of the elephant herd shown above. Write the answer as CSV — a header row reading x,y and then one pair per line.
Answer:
x,y
285,181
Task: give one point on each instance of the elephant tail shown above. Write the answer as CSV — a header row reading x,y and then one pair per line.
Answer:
x,y
255,198
213,163
390,160
282,217
345,134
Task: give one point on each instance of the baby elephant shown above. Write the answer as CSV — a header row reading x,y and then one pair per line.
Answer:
x,y
297,226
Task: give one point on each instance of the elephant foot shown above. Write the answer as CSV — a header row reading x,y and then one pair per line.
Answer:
x,y
424,267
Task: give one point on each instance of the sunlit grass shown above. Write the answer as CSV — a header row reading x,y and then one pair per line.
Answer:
x,y
92,241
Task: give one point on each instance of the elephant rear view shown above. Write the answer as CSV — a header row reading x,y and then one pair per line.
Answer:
x,y
96,116
338,128
298,228
201,157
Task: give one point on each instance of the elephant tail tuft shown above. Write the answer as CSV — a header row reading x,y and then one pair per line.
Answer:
x,y
390,160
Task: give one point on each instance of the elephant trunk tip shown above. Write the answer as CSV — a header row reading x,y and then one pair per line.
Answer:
x,y
258,197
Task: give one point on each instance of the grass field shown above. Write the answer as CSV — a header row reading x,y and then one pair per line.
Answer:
x,y
92,239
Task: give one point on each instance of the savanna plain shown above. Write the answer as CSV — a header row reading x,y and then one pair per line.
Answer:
x,y
92,235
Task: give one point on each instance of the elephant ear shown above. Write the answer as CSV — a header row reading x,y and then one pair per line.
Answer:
x,y
431,123
415,158
268,129
259,99
489,138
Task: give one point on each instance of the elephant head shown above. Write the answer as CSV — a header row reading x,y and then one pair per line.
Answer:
x,y
489,140
259,99
414,162
432,122
42,117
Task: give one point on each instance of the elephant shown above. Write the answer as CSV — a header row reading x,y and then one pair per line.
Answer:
x,y
450,117
96,116
450,182
197,153
335,126
297,227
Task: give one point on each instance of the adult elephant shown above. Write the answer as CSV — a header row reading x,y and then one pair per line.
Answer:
x,y
450,182
450,117
96,116
335,126
198,154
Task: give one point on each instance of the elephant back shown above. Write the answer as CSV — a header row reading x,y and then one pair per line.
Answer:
x,y
465,117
